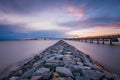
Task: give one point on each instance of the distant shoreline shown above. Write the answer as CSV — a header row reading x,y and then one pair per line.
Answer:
x,y
106,43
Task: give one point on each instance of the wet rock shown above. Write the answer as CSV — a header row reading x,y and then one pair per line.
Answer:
x,y
42,70
68,61
55,75
80,67
90,65
80,78
20,72
68,56
53,60
92,74
50,65
17,73
13,78
53,65
68,52
80,63
37,64
28,74
59,56
64,71
69,78
44,59
50,60
77,68
46,76
60,78
36,78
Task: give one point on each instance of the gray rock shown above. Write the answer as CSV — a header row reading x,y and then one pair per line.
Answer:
x,y
68,56
37,64
92,74
50,65
80,78
68,61
80,63
62,78
69,78
59,78
36,77
64,71
13,78
53,60
50,60
42,71
59,56
44,59
46,76
68,52
53,65
77,68
91,65
28,73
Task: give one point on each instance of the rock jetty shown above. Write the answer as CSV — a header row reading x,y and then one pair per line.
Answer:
x,y
61,62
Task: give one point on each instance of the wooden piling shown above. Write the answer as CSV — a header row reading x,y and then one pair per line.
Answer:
x,y
103,41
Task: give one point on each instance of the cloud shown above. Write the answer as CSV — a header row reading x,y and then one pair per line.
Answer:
x,y
47,33
92,14
32,15
93,22
8,32
32,22
78,12
52,16
96,31
28,6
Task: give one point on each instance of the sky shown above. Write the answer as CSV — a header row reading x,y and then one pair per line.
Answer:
x,y
21,19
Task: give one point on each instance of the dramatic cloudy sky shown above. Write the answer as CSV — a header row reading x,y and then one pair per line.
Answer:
x,y
58,18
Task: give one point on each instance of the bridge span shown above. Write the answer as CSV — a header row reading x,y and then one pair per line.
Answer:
x,y
108,38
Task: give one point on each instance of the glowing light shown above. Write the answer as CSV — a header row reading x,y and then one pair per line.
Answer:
x,y
97,31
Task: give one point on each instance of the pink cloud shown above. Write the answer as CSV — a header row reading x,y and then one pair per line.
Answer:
x,y
112,26
79,12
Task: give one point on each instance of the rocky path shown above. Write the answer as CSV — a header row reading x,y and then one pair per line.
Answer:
x,y
61,62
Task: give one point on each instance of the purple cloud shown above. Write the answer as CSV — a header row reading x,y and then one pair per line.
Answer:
x,y
92,22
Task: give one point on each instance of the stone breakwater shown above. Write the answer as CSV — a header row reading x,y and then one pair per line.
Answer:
x,y
61,62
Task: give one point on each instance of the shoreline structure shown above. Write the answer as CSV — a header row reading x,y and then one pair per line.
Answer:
x,y
61,61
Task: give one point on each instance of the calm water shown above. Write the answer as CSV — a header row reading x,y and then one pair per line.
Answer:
x,y
108,56
14,51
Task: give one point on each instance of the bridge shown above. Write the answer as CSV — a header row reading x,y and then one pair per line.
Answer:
x,y
109,38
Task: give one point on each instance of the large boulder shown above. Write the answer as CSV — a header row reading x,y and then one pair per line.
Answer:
x,y
42,70
92,74
36,78
64,71
13,78
28,73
